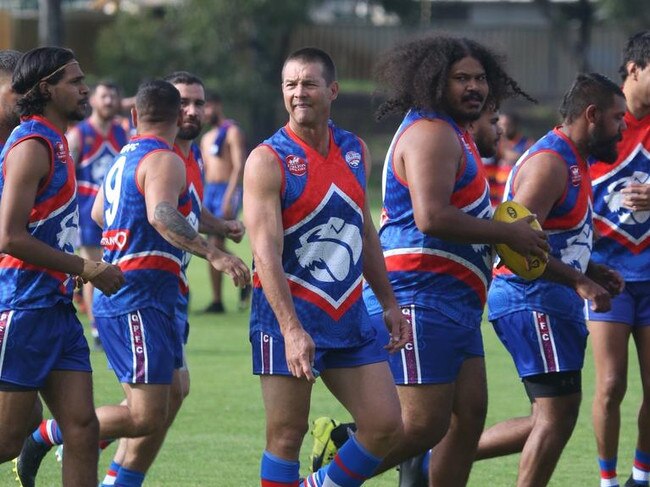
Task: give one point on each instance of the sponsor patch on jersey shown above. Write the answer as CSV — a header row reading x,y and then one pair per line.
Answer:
x,y
60,152
115,239
353,158
575,175
296,165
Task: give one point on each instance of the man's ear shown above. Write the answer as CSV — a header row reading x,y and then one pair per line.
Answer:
x,y
44,88
592,114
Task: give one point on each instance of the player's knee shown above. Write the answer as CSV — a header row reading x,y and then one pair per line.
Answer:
x,y
426,431
287,438
387,431
83,430
149,422
612,391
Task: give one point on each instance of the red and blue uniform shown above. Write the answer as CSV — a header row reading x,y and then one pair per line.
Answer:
x,y
541,322
39,331
54,220
624,235
322,200
444,283
427,271
146,305
194,168
96,154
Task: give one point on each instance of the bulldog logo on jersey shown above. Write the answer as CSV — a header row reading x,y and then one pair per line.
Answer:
x,y
323,251
67,235
613,220
614,199
330,250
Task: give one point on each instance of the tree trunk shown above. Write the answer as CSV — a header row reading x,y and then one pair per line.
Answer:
x,y
50,23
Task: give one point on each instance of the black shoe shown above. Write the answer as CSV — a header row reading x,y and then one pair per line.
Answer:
x,y
245,297
410,473
27,464
214,307
631,483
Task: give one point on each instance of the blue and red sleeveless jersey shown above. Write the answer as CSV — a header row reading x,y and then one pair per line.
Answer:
x,y
449,277
222,130
95,157
322,200
570,235
150,264
624,234
194,176
54,220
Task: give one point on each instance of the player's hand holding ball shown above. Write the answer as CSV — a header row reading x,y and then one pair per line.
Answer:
x,y
526,251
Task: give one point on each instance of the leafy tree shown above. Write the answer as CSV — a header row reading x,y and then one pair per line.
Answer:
x,y
632,15
236,47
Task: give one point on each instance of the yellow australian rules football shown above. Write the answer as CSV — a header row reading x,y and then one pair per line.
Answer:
x,y
510,211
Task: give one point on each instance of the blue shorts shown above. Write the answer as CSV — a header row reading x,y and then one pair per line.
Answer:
x,y
35,342
213,198
269,356
541,343
142,347
631,307
437,349
90,234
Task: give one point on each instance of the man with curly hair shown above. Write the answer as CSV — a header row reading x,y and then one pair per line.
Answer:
x,y
436,234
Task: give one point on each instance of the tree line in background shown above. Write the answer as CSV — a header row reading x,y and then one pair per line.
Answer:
x,y
238,46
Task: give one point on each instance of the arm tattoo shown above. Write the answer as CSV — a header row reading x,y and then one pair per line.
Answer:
x,y
178,231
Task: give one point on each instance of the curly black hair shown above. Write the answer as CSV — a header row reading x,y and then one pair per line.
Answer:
x,y
415,73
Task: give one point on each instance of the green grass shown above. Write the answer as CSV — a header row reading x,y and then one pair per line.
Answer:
x,y
218,435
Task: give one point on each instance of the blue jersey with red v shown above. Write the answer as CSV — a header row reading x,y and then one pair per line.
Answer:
x,y
151,265
322,201
570,235
427,271
194,176
96,155
54,220
624,234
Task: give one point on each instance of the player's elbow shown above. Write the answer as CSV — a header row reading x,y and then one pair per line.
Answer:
x,y
98,216
430,224
8,241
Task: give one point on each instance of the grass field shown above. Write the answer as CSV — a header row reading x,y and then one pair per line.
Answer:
x,y
218,436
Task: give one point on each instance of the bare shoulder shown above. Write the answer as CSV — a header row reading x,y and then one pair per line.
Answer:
x,y
430,135
543,165
160,162
262,168
30,152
